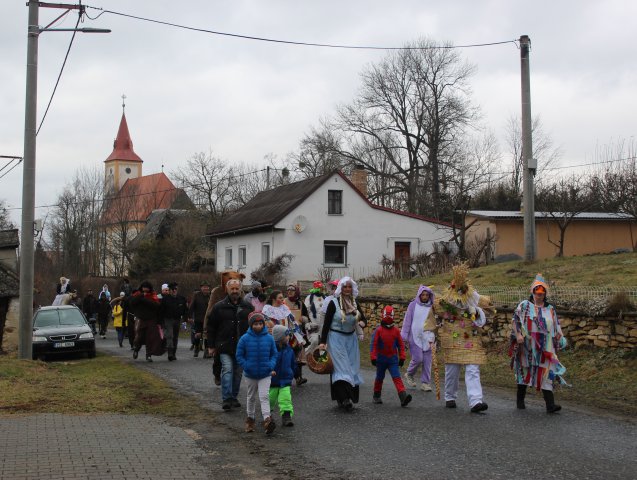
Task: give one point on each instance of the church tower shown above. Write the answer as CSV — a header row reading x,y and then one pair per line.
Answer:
x,y
123,163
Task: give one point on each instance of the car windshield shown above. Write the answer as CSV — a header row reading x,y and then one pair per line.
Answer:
x,y
54,318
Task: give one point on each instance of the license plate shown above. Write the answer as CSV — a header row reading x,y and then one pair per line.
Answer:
x,y
63,344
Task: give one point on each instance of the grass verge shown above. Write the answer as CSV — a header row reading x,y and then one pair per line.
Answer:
x,y
104,384
600,378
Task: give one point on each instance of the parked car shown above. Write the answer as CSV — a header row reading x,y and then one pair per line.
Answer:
x,y
61,329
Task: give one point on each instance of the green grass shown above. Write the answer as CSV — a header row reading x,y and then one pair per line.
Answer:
x,y
100,385
590,270
601,378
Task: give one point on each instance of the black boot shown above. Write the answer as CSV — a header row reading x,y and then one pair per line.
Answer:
x,y
286,419
405,398
551,406
376,398
521,395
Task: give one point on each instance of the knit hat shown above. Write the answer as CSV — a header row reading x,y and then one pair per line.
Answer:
x,y
255,284
255,317
164,286
279,331
539,282
387,316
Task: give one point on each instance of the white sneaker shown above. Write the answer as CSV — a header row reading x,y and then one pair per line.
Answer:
x,y
425,387
410,380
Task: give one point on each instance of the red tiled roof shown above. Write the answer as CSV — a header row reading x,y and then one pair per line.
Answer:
x,y
138,197
123,145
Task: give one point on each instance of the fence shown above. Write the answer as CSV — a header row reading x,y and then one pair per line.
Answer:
x,y
564,296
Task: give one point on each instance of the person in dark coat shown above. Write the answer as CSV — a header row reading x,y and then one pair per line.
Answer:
x,y
145,306
173,311
227,322
103,313
197,313
89,308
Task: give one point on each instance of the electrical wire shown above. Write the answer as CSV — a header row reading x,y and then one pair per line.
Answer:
x,y
79,18
9,171
119,197
292,42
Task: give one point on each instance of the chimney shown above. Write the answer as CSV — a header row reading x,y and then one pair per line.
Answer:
x,y
359,179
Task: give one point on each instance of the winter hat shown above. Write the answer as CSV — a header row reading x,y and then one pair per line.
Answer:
x,y
255,317
164,286
122,294
279,331
387,316
539,282
255,284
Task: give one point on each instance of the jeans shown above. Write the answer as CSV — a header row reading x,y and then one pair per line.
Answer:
x,y
231,373
171,334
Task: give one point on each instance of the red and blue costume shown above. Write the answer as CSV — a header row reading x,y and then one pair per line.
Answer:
x,y
388,353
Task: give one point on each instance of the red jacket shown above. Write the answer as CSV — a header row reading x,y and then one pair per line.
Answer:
x,y
387,342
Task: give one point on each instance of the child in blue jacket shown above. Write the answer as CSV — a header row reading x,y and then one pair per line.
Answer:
x,y
257,355
283,375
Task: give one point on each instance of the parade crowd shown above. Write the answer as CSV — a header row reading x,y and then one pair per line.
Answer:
x,y
266,337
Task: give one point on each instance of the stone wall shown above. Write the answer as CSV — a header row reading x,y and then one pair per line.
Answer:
x,y
579,329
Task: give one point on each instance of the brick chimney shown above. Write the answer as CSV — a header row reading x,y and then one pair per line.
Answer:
x,y
359,179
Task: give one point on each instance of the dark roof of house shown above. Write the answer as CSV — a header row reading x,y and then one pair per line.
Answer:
x,y
9,238
9,282
517,215
159,222
267,208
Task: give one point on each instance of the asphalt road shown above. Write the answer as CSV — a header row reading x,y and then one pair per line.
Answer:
x,y
423,440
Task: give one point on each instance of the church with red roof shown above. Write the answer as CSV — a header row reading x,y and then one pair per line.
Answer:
x,y
131,197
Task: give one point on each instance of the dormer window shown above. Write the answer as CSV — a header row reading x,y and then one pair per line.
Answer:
x,y
335,202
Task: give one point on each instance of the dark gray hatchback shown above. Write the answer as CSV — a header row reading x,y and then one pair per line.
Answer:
x,y
61,330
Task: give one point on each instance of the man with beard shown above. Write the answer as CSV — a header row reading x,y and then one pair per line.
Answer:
x,y
173,310
197,312
257,297
227,322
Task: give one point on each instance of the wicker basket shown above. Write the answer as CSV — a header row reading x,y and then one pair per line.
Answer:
x,y
322,366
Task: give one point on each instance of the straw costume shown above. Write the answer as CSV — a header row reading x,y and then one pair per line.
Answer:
x,y
460,312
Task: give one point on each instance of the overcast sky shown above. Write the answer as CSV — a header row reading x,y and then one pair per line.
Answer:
x,y
189,92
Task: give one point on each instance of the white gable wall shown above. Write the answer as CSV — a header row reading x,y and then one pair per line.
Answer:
x,y
369,233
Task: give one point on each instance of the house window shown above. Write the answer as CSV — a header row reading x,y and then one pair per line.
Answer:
x,y
229,257
265,252
335,253
242,255
335,202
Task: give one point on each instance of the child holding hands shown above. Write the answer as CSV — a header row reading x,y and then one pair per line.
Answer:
x,y
257,355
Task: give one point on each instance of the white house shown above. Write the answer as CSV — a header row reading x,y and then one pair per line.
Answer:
x,y
325,222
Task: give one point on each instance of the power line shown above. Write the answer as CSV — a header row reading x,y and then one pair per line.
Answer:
x,y
292,42
564,167
116,197
8,171
79,17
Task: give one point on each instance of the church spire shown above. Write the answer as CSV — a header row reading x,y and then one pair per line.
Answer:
x,y
123,145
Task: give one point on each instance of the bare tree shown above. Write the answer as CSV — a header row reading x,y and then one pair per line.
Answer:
x,y
207,180
545,151
73,231
411,109
473,170
5,219
317,154
562,201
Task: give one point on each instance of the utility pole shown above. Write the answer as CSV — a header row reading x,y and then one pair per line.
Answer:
x,y
28,187
27,247
528,162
